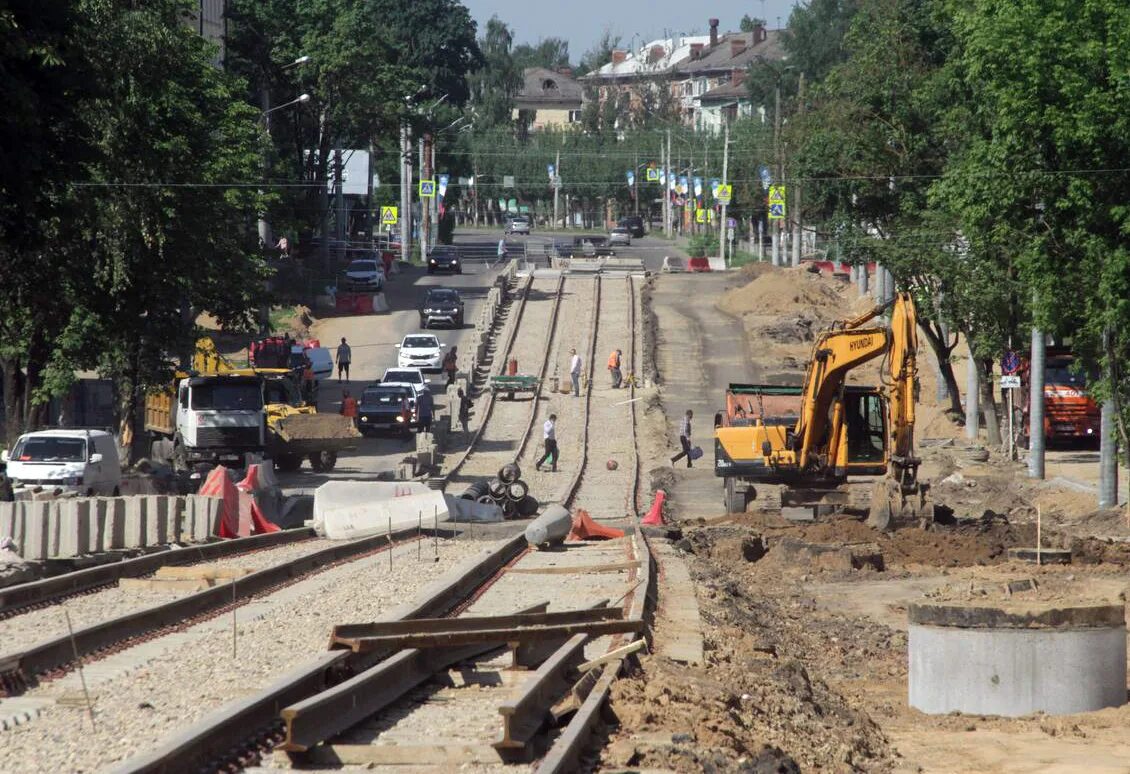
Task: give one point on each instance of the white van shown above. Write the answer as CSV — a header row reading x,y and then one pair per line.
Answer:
x,y
84,461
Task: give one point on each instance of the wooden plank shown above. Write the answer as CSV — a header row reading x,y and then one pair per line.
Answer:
x,y
484,636
612,655
579,569
427,625
524,716
202,572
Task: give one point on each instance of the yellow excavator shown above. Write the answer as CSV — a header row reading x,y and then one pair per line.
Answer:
x,y
798,445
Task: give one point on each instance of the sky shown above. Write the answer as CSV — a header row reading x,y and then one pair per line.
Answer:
x,y
582,22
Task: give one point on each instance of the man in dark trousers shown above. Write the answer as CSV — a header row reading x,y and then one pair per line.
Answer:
x,y
549,435
685,439
344,358
464,410
425,405
450,365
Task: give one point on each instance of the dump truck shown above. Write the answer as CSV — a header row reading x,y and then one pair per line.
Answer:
x,y
215,412
797,445
1071,415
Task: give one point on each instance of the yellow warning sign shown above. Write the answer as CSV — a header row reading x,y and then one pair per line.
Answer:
x,y
389,216
724,193
776,202
700,215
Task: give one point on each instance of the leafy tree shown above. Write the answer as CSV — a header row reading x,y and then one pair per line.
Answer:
x,y
750,23
600,54
494,87
550,53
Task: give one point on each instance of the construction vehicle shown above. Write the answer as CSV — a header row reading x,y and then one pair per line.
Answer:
x,y
1070,414
255,410
797,445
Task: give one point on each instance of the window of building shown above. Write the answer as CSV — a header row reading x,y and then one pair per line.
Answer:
x,y
574,116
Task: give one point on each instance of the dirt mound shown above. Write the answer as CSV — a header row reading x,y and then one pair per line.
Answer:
x,y
786,292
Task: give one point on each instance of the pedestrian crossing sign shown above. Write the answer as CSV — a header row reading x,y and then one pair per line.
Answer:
x,y
389,216
776,202
776,212
652,175
427,189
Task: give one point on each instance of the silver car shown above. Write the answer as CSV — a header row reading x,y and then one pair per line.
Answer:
x,y
621,235
519,224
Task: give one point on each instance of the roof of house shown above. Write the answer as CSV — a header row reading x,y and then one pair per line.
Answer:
x,y
721,58
653,58
547,88
728,93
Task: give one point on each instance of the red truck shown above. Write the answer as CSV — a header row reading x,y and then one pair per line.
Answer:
x,y
1070,415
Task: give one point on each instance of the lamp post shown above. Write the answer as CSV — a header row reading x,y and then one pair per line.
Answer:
x,y
264,115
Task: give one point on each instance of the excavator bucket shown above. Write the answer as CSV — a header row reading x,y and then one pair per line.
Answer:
x,y
891,507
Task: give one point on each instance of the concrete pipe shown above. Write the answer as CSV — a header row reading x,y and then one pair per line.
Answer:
x,y
510,472
517,490
497,489
509,509
528,506
1017,659
551,528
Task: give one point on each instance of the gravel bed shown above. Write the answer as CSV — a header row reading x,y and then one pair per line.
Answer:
x,y
508,419
577,308
46,623
183,685
605,493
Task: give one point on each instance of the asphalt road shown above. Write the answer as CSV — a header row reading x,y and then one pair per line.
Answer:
x,y
373,339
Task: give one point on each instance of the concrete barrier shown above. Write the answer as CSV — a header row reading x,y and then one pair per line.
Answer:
x,y
137,509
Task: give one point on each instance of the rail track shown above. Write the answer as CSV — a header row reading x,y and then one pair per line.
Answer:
x,y
35,595
57,656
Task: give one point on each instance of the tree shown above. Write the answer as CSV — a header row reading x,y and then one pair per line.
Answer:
x,y
494,87
550,53
600,53
750,23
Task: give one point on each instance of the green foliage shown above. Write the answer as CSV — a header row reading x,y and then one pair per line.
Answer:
x,y
550,53
600,54
702,245
446,229
494,87
749,23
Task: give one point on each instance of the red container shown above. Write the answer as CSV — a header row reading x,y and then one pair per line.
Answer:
x,y
512,367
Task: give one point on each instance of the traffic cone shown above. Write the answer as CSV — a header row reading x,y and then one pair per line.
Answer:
x,y
585,527
654,516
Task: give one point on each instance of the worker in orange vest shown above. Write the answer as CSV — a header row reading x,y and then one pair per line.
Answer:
x,y
348,405
309,384
614,369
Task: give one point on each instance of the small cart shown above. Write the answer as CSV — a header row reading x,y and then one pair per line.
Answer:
x,y
513,384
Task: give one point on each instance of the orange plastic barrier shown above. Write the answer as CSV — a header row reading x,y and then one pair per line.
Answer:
x,y
654,516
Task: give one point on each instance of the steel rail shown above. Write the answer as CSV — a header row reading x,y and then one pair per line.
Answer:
x,y
15,599
17,669
570,491
550,334
212,739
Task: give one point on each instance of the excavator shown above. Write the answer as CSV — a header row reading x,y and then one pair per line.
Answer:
x,y
796,446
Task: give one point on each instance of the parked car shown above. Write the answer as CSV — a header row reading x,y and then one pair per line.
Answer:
x,y
518,224
421,351
83,461
634,223
444,258
412,378
441,305
365,275
386,407
621,235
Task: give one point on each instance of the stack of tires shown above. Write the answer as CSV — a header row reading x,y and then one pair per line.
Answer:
x,y
507,490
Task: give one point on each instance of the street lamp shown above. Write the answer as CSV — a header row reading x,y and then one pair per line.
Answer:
x,y
300,99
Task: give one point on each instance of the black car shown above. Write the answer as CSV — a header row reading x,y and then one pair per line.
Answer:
x,y
386,408
633,223
441,305
444,258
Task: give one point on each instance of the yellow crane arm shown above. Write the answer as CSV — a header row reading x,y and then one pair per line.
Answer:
x,y
903,371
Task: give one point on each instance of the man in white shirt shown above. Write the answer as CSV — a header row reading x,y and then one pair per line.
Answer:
x,y
575,372
685,439
549,437
501,248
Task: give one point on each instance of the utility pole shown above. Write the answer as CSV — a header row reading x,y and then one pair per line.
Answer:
x,y
636,184
433,205
1108,445
369,197
556,187
424,201
1037,364
797,230
339,195
776,225
265,104
667,187
405,193
725,171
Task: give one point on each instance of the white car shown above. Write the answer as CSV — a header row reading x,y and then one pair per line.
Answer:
x,y
408,377
83,461
518,224
421,350
365,274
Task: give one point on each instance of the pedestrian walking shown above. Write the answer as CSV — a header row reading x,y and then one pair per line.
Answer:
x,y
309,384
464,410
549,437
344,357
348,406
502,249
685,439
425,405
614,368
575,372
450,366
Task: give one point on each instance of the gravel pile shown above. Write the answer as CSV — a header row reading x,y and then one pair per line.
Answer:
x,y
34,626
135,713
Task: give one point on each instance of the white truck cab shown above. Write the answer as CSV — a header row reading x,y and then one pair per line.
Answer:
x,y
74,460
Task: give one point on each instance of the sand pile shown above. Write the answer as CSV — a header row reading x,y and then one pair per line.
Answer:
x,y
787,292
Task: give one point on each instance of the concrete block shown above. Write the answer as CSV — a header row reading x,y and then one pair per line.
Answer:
x,y
115,534
205,517
157,519
135,521
213,511
37,525
8,520
177,519
73,528
99,506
